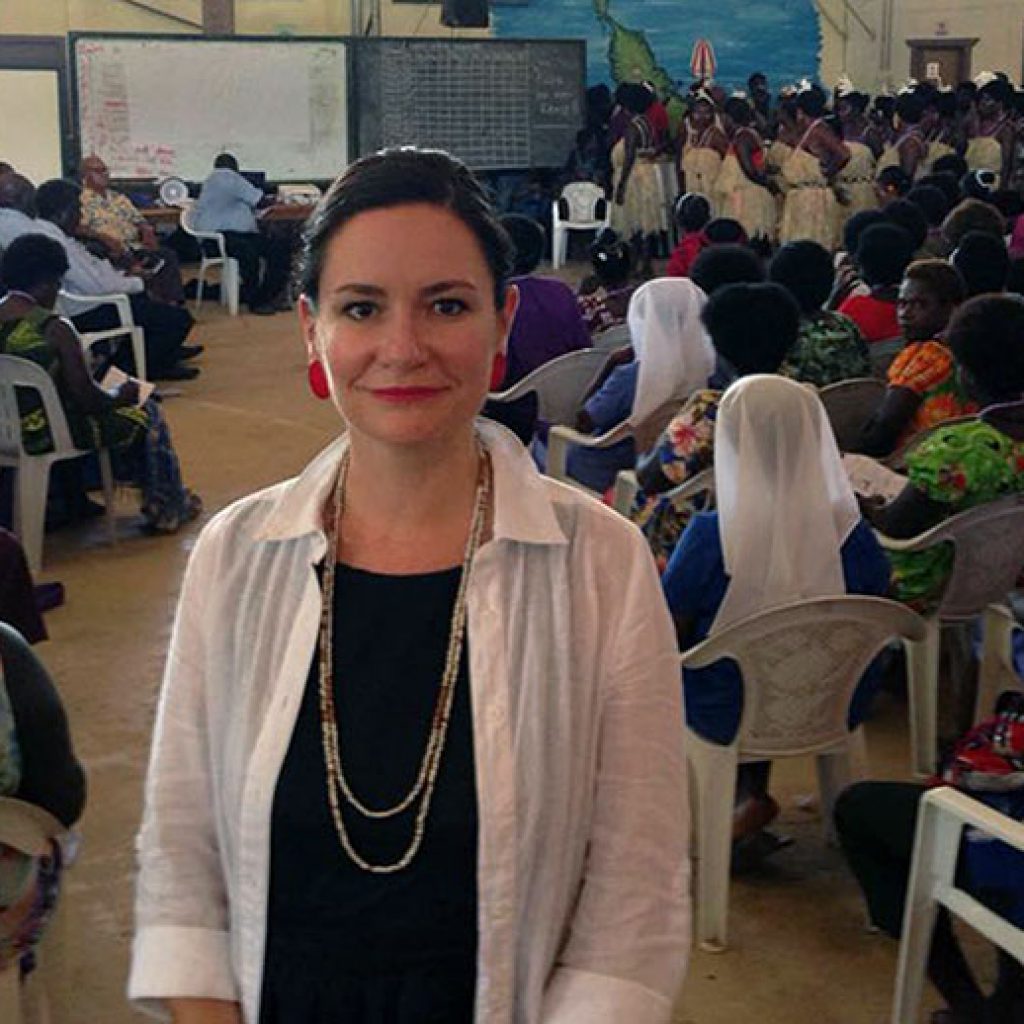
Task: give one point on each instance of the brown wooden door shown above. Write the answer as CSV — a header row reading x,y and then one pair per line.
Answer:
x,y
948,61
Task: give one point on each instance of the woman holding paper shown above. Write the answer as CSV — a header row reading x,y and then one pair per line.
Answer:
x,y
32,268
419,751
787,528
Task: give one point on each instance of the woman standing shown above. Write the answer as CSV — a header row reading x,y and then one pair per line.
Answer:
x,y
908,149
992,139
638,213
856,181
703,146
480,818
809,171
742,188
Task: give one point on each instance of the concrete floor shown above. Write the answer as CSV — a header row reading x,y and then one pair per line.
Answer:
x,y
800,949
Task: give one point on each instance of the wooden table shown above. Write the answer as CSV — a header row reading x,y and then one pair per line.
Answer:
x,y
278,213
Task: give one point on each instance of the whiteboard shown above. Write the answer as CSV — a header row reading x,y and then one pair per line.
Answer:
x,y
30,133
157,107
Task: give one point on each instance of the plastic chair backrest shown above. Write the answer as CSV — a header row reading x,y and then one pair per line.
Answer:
x,y
850,404
612,338
16,372
800,664
559,384
882,354
583,199
988,555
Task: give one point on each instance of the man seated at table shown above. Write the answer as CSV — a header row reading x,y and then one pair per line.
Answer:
x,y
165,326
111,219
227,203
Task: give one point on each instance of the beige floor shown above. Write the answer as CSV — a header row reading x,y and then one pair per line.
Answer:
x,y
800,949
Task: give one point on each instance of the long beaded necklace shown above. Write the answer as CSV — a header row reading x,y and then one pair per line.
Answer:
x,y
423,788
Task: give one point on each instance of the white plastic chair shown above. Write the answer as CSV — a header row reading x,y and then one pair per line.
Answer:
x,y
71,305
882,354
941,818
582,206
559,385
988,553
800,664
996,672
230,278
33,471
645,434
612,338
849,405
38,827
627,487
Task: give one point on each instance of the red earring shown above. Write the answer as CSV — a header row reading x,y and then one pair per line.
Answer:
x,y
498,368
318,382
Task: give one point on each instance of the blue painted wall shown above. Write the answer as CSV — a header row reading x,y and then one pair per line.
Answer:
x,y
780,37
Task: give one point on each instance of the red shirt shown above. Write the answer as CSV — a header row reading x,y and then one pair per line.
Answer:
x,y
689,248
876,318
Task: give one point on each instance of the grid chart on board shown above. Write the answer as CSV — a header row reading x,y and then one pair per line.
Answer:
x,y
476,104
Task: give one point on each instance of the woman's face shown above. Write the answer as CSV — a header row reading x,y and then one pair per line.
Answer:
x,y
847,111
922,315
406,325
703,114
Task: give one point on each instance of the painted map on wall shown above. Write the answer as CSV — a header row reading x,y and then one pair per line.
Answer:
x,y
631,39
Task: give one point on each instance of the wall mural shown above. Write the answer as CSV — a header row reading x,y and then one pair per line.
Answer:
x,y
629,40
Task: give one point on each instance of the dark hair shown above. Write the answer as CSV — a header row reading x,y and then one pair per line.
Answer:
x,y
31,260
811,101
720,265
885,105
941,278
999,90
908,216
634,97
611,258
56,197
739,110
858,100
983,262
725,231
805,270
894,179
980,184
1015,279
945,183
753,326
986,335
528,241
395,177
226,160
972,215
930,200
883,253
950,163
909,107
693,212
857,225
944,103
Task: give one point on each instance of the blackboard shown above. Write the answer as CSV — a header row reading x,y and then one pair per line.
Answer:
x,y
496,104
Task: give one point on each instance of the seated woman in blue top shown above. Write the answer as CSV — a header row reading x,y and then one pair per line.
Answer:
x,y
787,528
670,358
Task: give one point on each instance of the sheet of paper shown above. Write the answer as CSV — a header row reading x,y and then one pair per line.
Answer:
x,y
871,478
115,377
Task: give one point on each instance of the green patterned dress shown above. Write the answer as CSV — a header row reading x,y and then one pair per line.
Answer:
x,y
961,466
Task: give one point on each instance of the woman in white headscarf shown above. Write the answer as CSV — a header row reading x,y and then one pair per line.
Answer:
x,y
671,357
787,528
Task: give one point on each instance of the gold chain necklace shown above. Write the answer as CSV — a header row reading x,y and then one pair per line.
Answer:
x,y
423,788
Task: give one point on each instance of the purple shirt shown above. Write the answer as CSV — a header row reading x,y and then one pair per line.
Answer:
x,y
548,324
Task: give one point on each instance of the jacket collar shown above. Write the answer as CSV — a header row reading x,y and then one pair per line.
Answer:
x,y
523,506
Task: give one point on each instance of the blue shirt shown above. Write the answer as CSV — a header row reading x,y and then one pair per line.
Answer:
x,y
695,583
612,403
226,203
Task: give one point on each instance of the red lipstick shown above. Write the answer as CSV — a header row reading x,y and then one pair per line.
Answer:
x,y
402,395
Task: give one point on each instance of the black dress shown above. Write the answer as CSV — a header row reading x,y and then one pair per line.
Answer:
x,y
345,946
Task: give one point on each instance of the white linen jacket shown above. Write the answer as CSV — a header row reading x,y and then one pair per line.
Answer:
x,y
584,903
